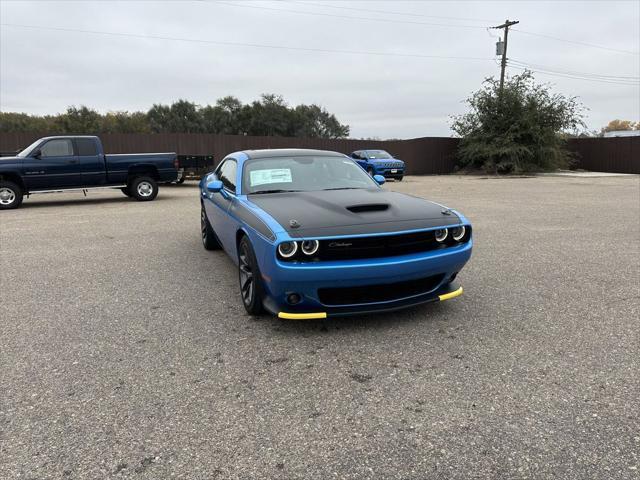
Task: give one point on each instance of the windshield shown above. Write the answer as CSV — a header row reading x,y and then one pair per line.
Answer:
x,y
25,153
378,154
303,174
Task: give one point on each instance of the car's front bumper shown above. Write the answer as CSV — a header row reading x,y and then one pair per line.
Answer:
x,y
446,292
389,172
280,280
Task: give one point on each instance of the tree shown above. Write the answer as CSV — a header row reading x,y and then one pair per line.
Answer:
x,y
186,117
223,117
517,130
270,115
21,122
181,117
78,120
314,121
125,122
617,125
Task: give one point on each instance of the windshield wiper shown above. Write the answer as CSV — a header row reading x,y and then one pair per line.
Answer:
x,y
341,188
272,191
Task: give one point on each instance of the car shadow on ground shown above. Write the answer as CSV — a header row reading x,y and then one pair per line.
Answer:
x,y
430,312
187,184
83,201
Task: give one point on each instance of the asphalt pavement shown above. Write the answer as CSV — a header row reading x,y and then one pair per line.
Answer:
x,y
125,351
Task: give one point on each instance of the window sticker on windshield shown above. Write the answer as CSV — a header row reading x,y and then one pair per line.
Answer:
x,y
274,175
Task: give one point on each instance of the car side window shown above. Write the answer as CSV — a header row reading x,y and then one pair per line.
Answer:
x,y
57,148
227,175
86,147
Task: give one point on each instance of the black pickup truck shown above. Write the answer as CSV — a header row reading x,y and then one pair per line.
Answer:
x,y
53,164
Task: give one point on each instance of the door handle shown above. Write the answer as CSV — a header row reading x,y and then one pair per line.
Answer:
x,y
72,161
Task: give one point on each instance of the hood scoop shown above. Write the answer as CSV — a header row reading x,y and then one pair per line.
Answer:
x,y
368,207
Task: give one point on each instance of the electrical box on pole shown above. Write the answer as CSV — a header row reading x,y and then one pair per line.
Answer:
x,y
501,49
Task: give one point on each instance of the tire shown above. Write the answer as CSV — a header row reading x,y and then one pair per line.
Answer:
x,y
209,240
251,291
10,195
126,191
181,181
143,189
399,179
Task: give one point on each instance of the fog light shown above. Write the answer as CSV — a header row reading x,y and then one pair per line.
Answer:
x,y
293,298
309,247
458,233
441,235
287,249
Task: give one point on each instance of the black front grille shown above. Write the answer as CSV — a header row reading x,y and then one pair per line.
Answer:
x,y
378,293
378,246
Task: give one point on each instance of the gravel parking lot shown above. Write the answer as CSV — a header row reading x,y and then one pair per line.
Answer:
x,y
125,350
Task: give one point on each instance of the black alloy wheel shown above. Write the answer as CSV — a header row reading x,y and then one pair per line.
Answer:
x,y
209,239
249,277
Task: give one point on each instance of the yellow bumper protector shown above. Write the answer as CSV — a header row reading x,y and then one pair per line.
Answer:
x,y
302,316
447,296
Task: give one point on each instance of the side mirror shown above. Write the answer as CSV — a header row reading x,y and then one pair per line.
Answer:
x,y
214,186
37,154
379,179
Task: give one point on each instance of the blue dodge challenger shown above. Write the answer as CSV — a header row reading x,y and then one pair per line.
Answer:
x,y
313,236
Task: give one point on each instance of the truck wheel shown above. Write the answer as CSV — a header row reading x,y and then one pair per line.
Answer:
x,y
143,189
10,195
125,190
249,276
209,239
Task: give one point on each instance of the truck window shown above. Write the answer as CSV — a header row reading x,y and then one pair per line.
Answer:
x,y
61,147
86,147
227,175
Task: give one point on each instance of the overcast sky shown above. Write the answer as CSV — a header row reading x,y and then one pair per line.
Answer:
x,y
395,95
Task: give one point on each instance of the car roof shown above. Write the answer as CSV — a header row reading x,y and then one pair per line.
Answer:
x,y
297,152
55,137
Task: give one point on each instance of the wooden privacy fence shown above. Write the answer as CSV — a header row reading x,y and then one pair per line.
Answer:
x,y
422,155
616,154
428,155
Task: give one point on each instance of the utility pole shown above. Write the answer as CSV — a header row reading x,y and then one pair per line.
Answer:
x,y
503,65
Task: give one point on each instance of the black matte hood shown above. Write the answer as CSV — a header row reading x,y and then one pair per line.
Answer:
x,y
351,212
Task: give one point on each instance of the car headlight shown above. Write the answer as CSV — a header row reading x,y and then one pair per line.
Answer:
x,y
458,233
309,247
441,235
287,249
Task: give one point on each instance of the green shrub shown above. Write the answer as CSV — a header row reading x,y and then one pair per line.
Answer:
x,y
518,130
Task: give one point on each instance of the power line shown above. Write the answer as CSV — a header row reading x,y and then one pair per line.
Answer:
x,y
239,44
576,42
573,72
575,77
332,15
550,37
388,12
